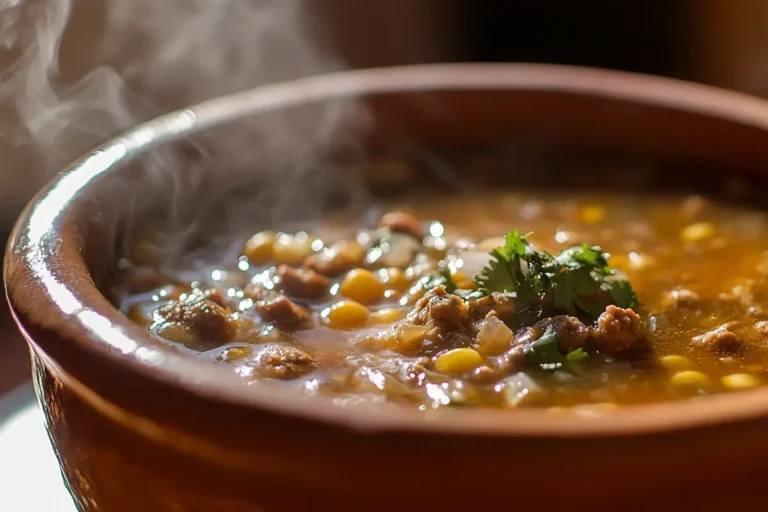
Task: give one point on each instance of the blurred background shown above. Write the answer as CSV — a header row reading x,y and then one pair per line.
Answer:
x,y
74,72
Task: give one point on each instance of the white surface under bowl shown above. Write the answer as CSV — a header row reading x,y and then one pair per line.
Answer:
x,y
30,479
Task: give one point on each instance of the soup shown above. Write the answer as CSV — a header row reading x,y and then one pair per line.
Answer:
x,y
530,300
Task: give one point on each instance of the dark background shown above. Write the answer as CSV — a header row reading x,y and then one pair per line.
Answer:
x,y
633,36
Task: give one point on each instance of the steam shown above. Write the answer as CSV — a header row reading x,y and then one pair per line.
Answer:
x,y
79,72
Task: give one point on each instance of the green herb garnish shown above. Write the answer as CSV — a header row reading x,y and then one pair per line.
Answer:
x,y
546,355
577,282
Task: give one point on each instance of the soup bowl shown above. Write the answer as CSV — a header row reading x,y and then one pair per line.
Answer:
x,y
136,426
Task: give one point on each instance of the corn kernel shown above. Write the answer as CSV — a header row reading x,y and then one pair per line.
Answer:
x,y
676,363
592,213
462,281
362,286
697,232
738,381
458,276
260,247
345,314
394,279
458,361
690,379
175,332
292,249
232,354
351,250
387,315
409,338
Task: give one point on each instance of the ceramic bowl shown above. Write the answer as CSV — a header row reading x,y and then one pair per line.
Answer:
x,y
137,426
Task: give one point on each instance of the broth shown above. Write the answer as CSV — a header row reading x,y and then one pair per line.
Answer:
x,y
371,315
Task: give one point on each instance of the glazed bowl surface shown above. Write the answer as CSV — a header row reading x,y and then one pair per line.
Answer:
x,y
138,427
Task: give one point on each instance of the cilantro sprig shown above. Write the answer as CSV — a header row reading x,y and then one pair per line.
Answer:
x,y
578,281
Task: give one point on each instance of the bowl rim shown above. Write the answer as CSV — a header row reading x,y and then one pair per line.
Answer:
x,y
101,330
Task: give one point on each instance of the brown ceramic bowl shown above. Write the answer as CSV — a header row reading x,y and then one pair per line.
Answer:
x,y
137,427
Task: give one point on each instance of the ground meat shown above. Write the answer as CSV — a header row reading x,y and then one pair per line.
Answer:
x,y
513,360
284,362
500,303
445,318
485,375
302,283
440,309
762,327
282,311
399,222
618,330
720,341
329,262
681,298
204,314
571,333
751,295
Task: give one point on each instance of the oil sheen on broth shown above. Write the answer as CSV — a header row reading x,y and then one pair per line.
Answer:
x,y
418,311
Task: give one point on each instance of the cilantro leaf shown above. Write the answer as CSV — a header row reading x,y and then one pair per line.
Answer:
x,y
546,355
622,293
577,356
544,352
515,269
443,277
578,281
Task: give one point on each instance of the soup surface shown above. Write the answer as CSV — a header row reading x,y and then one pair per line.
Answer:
x,y
487,300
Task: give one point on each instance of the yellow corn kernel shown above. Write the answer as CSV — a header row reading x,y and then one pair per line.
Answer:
x,y
458,361
739,381
676,363
344,315
458,276
260,247
591,213
409,338
690,379
175,332
362,286
394,279
462,281
697,232
387,315
236,353
351,250
292,249
379,341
